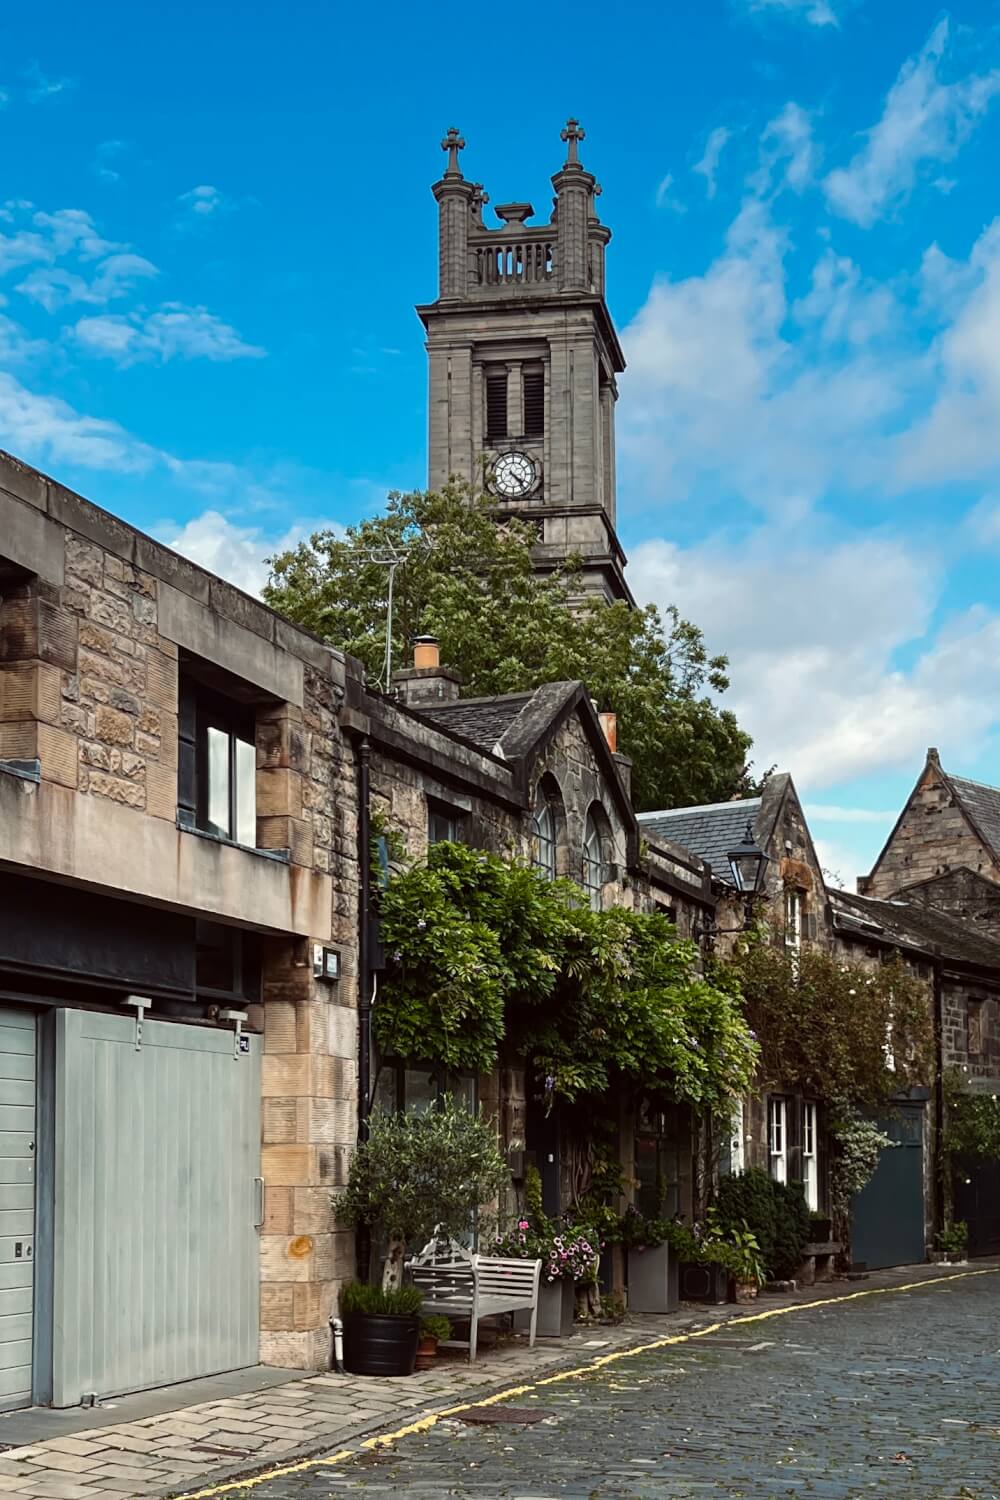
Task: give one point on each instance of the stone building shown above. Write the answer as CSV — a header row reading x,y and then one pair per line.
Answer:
x,y
523,361
780,1131
944,850
180,828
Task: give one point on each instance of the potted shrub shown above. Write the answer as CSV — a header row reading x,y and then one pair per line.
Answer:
x,y
653,1285
820,1228
747,1266
380,1328
951,1244
703,1263
433,1331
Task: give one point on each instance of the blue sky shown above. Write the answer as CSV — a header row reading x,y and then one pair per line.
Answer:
x,y
217,221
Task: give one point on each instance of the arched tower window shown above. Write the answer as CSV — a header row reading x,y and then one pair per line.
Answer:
x,y
596,871
546,824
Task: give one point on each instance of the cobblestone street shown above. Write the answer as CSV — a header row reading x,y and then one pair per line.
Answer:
x,y
894,1394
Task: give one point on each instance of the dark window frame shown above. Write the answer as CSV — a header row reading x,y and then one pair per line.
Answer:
x,y
202,711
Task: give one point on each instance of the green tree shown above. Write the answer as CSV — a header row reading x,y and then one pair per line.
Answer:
x,y
471,582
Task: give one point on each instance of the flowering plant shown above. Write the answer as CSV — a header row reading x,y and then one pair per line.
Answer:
x,y
568,1256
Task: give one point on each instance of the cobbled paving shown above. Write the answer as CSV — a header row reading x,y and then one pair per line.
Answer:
x,y
895,1396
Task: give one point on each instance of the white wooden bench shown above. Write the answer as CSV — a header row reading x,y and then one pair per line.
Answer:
x,y
478,1286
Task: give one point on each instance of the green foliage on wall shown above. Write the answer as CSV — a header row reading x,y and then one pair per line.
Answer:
x,y
833,1029
972,1121
485,953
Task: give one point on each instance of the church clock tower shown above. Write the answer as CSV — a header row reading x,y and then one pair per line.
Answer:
x,y
523,362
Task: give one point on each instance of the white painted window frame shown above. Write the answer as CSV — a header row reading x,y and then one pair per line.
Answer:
x,y
810,1159
777,1137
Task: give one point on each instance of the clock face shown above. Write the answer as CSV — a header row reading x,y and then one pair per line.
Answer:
x,y
514,474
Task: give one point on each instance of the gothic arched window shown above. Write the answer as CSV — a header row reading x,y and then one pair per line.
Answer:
x,y
595,865
545,835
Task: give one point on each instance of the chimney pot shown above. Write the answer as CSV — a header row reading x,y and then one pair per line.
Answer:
x,y
426,651
609,723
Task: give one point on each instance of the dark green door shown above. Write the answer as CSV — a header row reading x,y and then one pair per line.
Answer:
x,y
888,1219
977,1201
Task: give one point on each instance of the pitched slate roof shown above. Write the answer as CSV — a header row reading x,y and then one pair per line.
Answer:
x,y
982,805
484,721
917,925
709,831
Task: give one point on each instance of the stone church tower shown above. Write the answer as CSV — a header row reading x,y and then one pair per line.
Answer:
x,y
523,359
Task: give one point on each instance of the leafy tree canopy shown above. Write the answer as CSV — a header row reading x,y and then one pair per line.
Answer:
x,y
471,582
486,955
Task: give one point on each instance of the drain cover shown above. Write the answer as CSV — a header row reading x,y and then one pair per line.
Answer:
x,y
503,1416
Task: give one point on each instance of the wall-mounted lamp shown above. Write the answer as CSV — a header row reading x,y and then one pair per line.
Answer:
x,y
326,963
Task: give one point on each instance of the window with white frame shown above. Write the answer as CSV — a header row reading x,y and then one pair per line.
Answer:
x,y
777,1138
595,868
544,836
810,1166
793,918
737,1144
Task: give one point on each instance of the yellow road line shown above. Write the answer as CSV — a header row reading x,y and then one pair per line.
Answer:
x,y
425,1424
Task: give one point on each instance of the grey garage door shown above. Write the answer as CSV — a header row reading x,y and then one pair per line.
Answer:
x,y
156,1248
17,1204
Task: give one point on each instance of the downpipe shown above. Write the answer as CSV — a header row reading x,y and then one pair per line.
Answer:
x,y
338,1345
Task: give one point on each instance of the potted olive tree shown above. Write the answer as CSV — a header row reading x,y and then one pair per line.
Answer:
x,y
652,1264
419,1174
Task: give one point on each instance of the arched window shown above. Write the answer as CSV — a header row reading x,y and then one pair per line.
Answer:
x,y
595,868
544,830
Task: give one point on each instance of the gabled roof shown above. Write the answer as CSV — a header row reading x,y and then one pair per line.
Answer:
x,y
916,926
981,805
709,831
516,727
484,721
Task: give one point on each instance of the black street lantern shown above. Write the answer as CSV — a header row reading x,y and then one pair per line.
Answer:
x,y
748,863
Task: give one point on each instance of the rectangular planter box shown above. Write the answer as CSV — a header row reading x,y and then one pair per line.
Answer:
x,y
653,1284
556,1303
704,1283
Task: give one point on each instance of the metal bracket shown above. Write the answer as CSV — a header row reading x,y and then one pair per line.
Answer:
x,y
142,1003
241,1043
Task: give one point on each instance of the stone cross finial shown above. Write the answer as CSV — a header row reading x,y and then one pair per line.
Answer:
x,y
572,133
453,144
480,198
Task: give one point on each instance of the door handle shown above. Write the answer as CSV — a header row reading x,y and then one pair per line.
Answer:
x,y
258,1198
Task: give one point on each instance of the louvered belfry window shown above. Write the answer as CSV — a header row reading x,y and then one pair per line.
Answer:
x,y
534,403
496,407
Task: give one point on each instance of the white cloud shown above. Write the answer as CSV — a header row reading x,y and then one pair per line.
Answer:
x,y
815,12
47,429
204,201
708,165
40,87
665,198
236,552
116,276
4,98
108,152
788,152
925,120
174,332
813,633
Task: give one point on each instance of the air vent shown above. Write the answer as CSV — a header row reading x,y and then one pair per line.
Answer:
x,y
496,407
534,403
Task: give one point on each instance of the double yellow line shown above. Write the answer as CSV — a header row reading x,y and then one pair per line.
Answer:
x,y
385,1440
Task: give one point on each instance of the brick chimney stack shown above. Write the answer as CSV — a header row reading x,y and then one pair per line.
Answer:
x,y
427,681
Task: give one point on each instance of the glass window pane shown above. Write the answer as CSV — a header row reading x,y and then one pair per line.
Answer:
x,y
246,794
545,839
420,1089
218,782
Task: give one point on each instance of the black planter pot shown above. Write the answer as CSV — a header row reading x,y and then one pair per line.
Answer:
x,y
703,1283
375,1344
